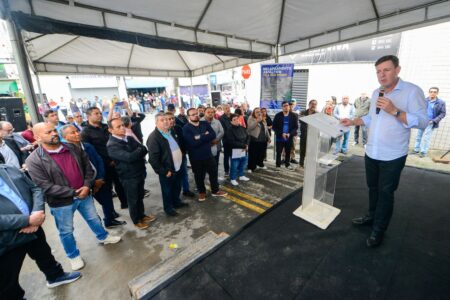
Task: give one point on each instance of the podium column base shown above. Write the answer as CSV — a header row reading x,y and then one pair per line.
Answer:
x,y
318,213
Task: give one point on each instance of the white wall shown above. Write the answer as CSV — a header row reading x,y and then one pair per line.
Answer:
x,y
339,80
425,61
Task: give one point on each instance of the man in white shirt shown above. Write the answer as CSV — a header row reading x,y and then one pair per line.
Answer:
x,y
392,114
343,111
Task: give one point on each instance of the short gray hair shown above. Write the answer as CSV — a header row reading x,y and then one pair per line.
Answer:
x,y
64,128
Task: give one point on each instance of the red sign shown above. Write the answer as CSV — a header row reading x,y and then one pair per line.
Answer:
x,y
246,72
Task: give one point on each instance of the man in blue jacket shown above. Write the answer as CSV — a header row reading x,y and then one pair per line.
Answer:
x,y
101,191
198,136
435,112
21,217
285,125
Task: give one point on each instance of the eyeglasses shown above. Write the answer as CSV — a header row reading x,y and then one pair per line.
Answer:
x,y
193,115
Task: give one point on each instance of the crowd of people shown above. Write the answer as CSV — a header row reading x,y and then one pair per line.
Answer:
x,y
69,164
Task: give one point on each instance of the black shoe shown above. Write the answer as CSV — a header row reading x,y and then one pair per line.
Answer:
x,y
115,215
114,194
146,193
294,161
375,239
180,205
172,213
115,223
361,221
189,194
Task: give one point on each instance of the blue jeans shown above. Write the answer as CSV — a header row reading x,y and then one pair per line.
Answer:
x,y
423,139
238,165
184,174
64,222
344,144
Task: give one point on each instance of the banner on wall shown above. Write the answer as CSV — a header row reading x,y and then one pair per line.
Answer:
x,y
276,85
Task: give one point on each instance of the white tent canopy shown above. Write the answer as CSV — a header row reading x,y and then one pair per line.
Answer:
x,y
189,38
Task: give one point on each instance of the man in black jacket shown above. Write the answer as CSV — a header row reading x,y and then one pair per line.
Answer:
x,y
21,217
285,126
226,124
129,158
96,133
166,157
197,136
11,153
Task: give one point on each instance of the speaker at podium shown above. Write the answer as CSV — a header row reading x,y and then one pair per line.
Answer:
x,y
216,98
11,110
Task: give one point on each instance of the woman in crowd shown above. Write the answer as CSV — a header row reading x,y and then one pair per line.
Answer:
x,y
268,121
259,137
240,114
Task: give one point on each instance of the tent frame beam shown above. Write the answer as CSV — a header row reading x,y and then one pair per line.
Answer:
x,y
57,48
375,9
157,22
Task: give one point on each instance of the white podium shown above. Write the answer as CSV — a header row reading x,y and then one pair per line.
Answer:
x,y
320,171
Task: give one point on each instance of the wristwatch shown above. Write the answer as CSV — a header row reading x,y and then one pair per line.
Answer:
x,y
397,113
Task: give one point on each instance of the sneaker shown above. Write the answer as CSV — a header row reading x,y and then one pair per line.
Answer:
x,y
66,278
249,171
76,263
422,155
201,197
294,161
111,239
355,143
290,168
234,182
148,219
414,152
219,194
141,225
115,223
243,178
227,174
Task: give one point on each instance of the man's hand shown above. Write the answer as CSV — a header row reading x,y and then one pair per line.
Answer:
x,y
36,218
347,122
169,174
29,229
97,185
82,192
386,105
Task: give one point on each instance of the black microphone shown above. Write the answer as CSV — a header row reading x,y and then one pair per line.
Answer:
x,y
380,94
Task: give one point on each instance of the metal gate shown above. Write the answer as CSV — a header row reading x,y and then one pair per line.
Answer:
x,y
300,87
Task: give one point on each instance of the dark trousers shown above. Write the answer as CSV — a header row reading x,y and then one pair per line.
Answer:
x,y
364,134
287,150
217,157
302,150
11,263
382,179
200,168
226,158
256,152
134,191
111,177
171,189
104,197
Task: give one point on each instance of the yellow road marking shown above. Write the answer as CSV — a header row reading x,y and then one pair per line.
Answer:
x,y
255,208
248,197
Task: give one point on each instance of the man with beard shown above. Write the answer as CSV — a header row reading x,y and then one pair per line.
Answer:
x,y
198,136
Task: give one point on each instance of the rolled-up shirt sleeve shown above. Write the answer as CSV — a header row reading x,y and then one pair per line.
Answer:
x,y
416,114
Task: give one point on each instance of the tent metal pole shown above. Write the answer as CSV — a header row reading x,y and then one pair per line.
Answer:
x,y
24,71
191,90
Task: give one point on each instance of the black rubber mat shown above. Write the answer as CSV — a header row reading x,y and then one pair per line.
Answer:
x,y
279,256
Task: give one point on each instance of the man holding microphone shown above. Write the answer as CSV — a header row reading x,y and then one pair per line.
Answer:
x,y
396,107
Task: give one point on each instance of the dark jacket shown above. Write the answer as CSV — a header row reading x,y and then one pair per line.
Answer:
x,y
303,125
128,157
21,156
96,160
237,137
159,153
46,173
181,120
197,140
97,137
438,112
11,218
278,124
136,120
225,121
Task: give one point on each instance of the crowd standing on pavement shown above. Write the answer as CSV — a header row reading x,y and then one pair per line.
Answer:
x,y
100,153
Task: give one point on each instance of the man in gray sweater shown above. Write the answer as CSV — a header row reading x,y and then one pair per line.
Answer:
x,y
362,105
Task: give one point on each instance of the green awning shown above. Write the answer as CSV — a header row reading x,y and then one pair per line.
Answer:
x,y
8,87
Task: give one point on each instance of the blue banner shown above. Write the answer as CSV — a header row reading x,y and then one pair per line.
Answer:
x,y
276,85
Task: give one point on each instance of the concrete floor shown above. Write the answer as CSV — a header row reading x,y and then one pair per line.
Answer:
x,y
109,268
